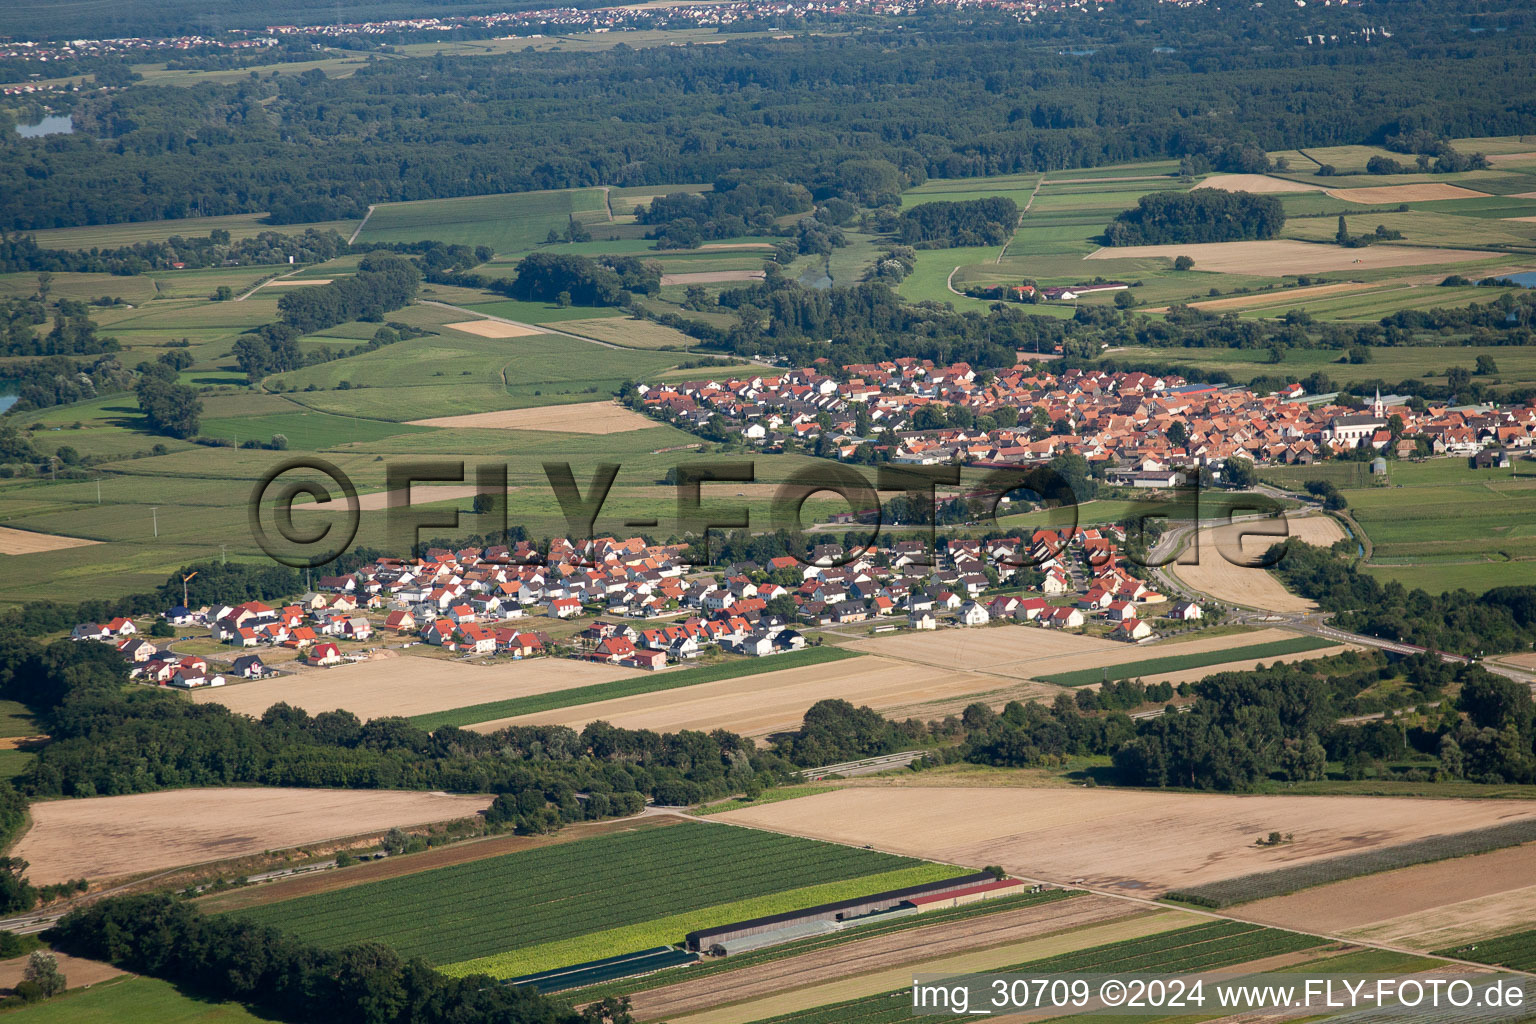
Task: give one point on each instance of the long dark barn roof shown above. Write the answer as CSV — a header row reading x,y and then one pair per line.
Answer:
x,y
699,938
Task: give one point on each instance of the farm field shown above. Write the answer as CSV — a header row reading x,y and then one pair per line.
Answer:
x,y
114,836
1427,529
1019,652
1283,257
1209,663
510,223
112,236
1428,362
134,1000
630,333
693,993
645,682
542,908
1163,943
1517,951
1216,575
581,418
1255,183
407,685
78,972
1141,843
1427,906
445,376
25,542
773,702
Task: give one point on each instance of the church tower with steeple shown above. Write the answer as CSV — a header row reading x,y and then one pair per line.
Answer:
x,y
1377,409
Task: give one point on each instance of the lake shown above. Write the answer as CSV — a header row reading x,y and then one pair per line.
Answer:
x,y
1526,280
53,124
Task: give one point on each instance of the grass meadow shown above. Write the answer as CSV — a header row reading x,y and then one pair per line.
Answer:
x,y
508,223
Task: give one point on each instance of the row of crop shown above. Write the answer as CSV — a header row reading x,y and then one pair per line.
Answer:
x,y
1517,951
561,891
1182,662
642,932
1200,948
1246,888
820,943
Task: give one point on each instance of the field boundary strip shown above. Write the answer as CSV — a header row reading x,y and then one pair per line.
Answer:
x,y
597,692
1181,662
1281,882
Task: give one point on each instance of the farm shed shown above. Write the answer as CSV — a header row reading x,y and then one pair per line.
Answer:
x,y
776,937
708,938
973,894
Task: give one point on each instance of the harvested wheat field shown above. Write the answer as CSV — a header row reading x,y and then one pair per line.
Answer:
x,y
628,332
1427,906
78,972
1027,652
492,329
295,282
26,542
419,494
1256,183
972,962
1280,257
1242,585
582,418
1129,841
773,702
1259,300
114,836
712,276
1383,194
879,953
407,685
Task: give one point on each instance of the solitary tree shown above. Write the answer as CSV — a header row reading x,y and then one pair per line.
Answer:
x,y
43,971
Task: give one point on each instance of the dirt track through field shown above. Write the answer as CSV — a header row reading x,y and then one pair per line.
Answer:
x,y
25,542
410,685
1281,257
114,836
1140,843
1244,585
582,418
1428,906
863,956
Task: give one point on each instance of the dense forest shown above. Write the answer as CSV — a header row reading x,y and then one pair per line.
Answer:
x,y
955,97
1204,215
947,225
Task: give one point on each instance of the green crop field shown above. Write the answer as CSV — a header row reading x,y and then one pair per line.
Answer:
x,y
1203,947
1517,951
306,429
1441,524
670,929
515,222
133,1001
541,312
629,687
554,894
446,375
1180,662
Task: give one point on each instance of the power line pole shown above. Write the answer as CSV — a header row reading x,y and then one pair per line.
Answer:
x,y
154,515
